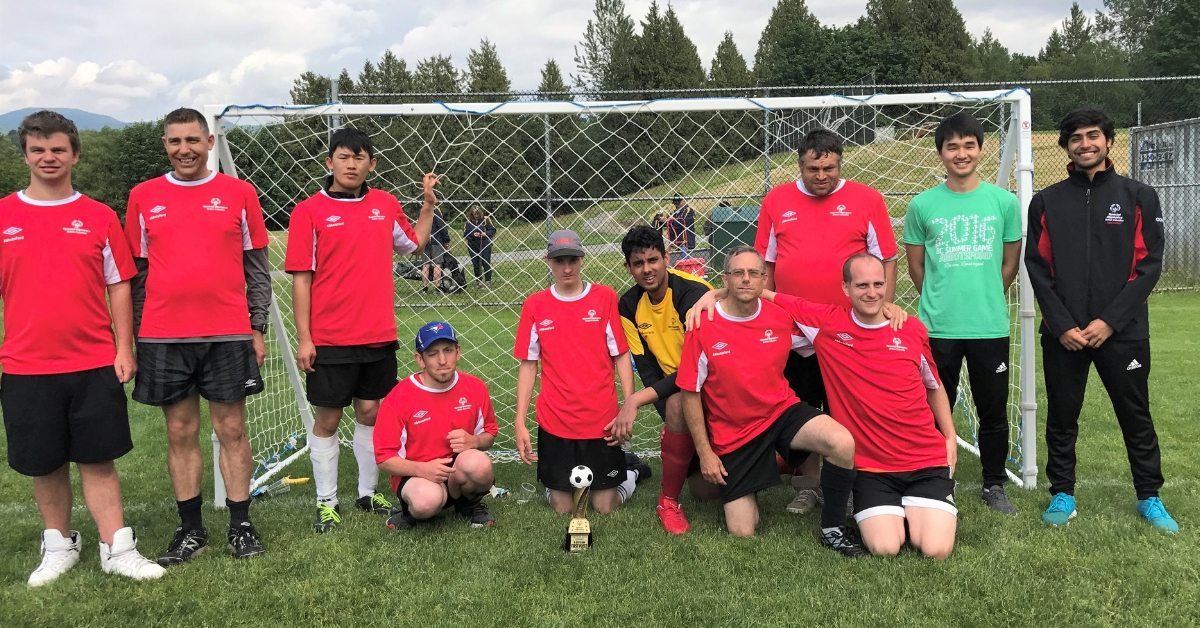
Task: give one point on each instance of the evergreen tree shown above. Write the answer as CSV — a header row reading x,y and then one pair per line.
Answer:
x,y
664,57
310,89
14,174
1128,23
552,81
437,75
790,47
345,84
394,77
942,41
898,54
604,57
485,73
1173,49
728,67
990,60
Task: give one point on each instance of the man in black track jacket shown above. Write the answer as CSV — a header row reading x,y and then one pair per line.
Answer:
x,y
1094,252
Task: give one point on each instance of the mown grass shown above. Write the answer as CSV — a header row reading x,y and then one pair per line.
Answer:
x,y
1108,568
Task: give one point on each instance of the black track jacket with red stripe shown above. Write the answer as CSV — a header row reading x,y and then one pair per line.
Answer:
x,y
1094,250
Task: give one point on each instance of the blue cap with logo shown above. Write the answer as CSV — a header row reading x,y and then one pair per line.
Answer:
x,y
432,332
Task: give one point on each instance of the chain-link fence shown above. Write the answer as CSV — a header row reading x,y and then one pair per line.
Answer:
x,y
1167,156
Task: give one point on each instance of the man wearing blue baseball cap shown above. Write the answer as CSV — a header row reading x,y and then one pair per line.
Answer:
x,y
432,432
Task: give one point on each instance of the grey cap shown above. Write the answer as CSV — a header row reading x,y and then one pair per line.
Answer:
x,y
564,242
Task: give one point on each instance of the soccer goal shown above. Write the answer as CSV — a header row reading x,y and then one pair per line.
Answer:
x,y
597,167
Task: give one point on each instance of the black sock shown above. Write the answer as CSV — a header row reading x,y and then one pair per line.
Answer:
x,y
190,516
836,483
239,512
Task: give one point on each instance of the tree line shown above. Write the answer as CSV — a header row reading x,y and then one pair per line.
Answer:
x,y
894,42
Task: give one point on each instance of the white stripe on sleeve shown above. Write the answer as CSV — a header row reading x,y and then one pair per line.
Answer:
x,y
400,242
314,258
927,375
145,240
247,245
873,241
772,247
535,348
701,370
111,274
479,423
403,443
611,339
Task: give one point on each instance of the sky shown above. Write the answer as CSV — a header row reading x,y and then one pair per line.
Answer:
x,y
137,59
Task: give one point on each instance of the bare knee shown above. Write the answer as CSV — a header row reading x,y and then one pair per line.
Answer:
x,y
935,548
424,504
673,418
365,411
476,468
883,545
560,501
606,501
841,449
228,421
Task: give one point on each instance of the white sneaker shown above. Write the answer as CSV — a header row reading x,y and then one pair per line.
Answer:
x,y
58,555
123,558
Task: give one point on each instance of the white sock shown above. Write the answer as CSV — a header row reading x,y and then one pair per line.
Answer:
x,y
625,489
324,455
547,495
364,453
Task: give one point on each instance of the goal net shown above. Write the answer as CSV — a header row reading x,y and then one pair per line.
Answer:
x,y
597,168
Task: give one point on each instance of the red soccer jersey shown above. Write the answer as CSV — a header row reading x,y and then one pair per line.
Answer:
x,y
194,233
414,419
348,245
576,339
810,237
877,380
736,364
56,260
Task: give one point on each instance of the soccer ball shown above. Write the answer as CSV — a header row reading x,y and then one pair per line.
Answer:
x,y
581,477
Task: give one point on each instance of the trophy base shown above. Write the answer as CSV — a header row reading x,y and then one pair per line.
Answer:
x,y
579,536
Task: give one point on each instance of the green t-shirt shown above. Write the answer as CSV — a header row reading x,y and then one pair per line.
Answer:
x,y
963,235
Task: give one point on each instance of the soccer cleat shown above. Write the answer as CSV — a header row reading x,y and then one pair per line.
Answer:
x,y
244,541
643,470
808,494
1061,510
184,545
123,559
671,515
841,540
475,513
1153,510
400,520
376,503
996,499
327,518
59,554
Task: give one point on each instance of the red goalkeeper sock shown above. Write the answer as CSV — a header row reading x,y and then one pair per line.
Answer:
x,y
677,452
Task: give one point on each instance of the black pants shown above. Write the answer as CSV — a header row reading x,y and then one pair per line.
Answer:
x,y
987,370
481,261
1124,368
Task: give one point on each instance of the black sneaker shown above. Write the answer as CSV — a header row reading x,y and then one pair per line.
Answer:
x,y
400,520
843,541
328,517
475,513
244,541
376,503
185,545
997,499
643,470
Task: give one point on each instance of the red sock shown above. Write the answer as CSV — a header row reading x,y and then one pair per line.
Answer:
x,y
677,452
784,467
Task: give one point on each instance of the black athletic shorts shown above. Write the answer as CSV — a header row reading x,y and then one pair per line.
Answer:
x,y
51,420
888,493
804,377
405,478
335,385
169,372
752,467
557,456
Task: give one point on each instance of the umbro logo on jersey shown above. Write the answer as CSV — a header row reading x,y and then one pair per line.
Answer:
x,y
896,345
1114,215
375,215
420,413
215,206
77,228
721,348
840,211
845,336
644,326
547,325
1002,368
158,209
334,221
768,336
591,317
788,216
11,231
1133,365
720,345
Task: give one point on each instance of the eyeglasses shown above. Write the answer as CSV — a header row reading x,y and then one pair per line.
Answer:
x,y
742,272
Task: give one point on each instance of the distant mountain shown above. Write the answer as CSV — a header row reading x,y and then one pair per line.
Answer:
x,y
82,119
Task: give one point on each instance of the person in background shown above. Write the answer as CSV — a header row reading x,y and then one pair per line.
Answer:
x,y
435,250
681,229
479,233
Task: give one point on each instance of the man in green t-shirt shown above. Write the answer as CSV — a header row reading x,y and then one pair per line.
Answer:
x,y
963,241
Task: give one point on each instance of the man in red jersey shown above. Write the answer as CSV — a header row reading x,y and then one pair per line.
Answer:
x,y
805,230
741,412
201,298
884,388
339,252
431,434
574,330
61,390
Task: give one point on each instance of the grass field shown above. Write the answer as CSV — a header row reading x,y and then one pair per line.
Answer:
x,y
1107,568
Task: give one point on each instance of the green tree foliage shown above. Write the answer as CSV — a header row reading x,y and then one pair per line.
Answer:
x,y
942,40
664,57
310,89
552,81
898,54
438,75
1173,49
790,47
989,60
14,174
1128,22
485,73
604,58
728,67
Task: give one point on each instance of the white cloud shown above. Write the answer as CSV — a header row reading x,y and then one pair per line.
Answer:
x,y
64,82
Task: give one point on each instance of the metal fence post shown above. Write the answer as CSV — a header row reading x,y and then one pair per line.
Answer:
x,y
549,188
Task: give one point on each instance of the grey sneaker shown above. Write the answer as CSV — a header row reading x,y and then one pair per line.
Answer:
x,y
808,494
997,500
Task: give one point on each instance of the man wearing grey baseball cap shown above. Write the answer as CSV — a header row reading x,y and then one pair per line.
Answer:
x,y
574,330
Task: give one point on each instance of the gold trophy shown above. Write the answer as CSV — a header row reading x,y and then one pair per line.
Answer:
x,y
579,530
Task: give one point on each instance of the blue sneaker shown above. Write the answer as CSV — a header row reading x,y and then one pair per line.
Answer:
x,y
1154,512
1061,510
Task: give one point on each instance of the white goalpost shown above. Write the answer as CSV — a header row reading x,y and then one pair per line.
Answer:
x,y
598,168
